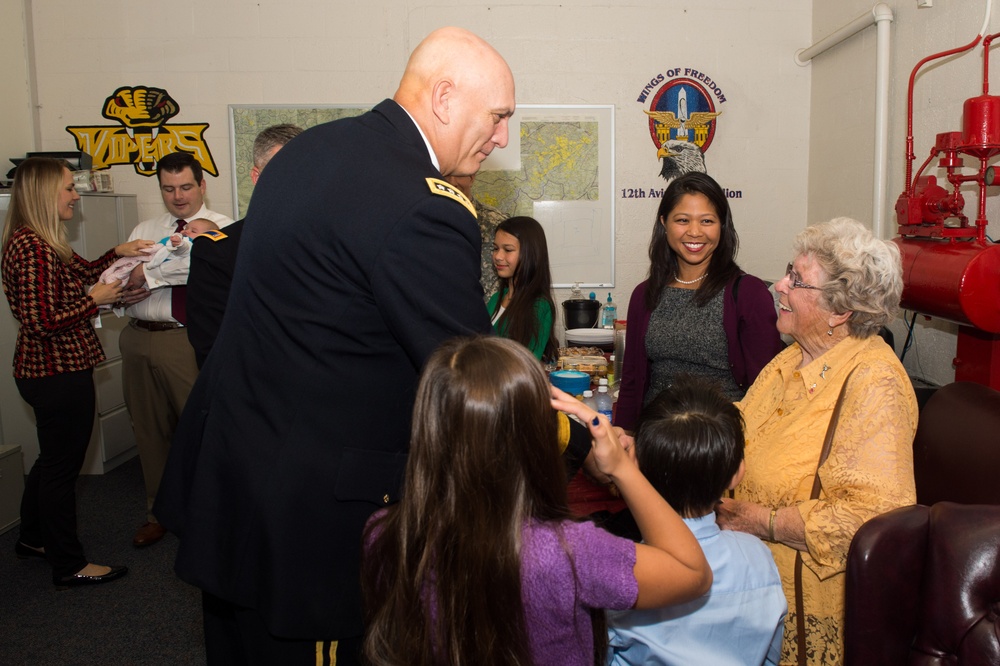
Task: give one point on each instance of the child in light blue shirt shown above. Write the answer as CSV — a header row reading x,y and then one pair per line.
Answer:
x,y
689,442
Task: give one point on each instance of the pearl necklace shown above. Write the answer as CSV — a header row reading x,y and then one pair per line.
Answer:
x,y
697,279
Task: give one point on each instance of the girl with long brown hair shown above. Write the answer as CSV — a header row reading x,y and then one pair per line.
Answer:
x,y
522,309
480,561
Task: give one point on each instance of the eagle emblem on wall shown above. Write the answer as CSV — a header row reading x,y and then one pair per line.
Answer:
x,y
682,120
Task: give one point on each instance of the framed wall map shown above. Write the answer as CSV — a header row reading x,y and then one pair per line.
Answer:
x,y
247,120
558,168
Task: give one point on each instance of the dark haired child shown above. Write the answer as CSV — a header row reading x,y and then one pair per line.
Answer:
x,y
690,446
522,309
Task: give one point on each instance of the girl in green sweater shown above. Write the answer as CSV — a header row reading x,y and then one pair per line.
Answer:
x,y
522,309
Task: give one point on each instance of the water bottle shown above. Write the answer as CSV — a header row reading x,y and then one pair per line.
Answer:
x,y
606,383
603,400
609,313
588,399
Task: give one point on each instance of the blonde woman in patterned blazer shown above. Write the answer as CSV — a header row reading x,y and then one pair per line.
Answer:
x,y
57,348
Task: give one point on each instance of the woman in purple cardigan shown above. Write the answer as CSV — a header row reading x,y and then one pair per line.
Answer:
x,y
698,313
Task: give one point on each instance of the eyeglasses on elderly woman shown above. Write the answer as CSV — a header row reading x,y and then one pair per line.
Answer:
x,y
793,279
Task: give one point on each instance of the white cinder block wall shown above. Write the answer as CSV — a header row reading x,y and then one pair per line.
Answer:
x,y
209,54
795,141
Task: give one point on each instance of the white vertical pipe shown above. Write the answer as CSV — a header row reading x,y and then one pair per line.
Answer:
x,y
883,17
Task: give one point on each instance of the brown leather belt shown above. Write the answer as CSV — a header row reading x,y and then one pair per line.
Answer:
x,y
156,325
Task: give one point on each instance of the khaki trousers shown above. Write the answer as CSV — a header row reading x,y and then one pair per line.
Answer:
x,y
158,371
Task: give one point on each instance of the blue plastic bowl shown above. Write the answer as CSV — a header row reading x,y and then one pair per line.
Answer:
x,y
571,381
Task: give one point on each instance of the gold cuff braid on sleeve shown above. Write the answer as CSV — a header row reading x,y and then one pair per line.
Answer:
x,y
563,431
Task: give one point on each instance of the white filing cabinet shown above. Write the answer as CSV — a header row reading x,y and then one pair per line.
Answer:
x,y
100,221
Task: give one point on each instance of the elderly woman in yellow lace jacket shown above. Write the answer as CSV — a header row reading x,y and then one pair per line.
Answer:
x,y
842,287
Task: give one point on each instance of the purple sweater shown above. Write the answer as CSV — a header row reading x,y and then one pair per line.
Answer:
x,y
568,568
750,323
556,602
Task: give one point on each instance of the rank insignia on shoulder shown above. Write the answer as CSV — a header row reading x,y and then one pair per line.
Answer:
x,y
446,189
212,234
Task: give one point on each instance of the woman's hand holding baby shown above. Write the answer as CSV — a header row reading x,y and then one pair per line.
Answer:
x,y
106,294
133,248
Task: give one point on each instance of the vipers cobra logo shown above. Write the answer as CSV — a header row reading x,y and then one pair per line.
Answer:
x,y
682,118
144,136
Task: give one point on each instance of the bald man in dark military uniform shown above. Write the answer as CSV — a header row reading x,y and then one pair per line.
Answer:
x,y
357,260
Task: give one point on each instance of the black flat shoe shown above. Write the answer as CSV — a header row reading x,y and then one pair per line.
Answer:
x,y
23,552
66,582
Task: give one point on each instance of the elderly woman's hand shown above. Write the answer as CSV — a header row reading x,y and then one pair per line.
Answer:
x,y
742,516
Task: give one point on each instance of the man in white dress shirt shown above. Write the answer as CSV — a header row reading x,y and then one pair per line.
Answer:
x,y
158,364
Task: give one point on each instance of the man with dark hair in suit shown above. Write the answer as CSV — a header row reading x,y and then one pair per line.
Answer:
x,y
158,364
357,260
213,256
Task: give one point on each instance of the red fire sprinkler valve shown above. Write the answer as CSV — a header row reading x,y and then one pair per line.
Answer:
x,y
950,269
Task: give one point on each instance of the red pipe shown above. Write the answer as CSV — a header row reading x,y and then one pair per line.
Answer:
x,y
981,222
986,62
910,156
920,171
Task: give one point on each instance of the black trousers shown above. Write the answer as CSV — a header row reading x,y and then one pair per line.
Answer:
x,y
64,417
238,636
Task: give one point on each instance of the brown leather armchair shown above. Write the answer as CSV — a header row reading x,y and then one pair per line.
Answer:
x,y
923,582
956,451
923,588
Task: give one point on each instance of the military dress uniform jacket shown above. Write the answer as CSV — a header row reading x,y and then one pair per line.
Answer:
x,y
351,271
210,279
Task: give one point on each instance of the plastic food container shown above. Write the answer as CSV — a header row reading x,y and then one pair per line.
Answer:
x,y
595,366
571,381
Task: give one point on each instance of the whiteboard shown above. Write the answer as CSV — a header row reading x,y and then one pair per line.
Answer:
x,y
558,167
